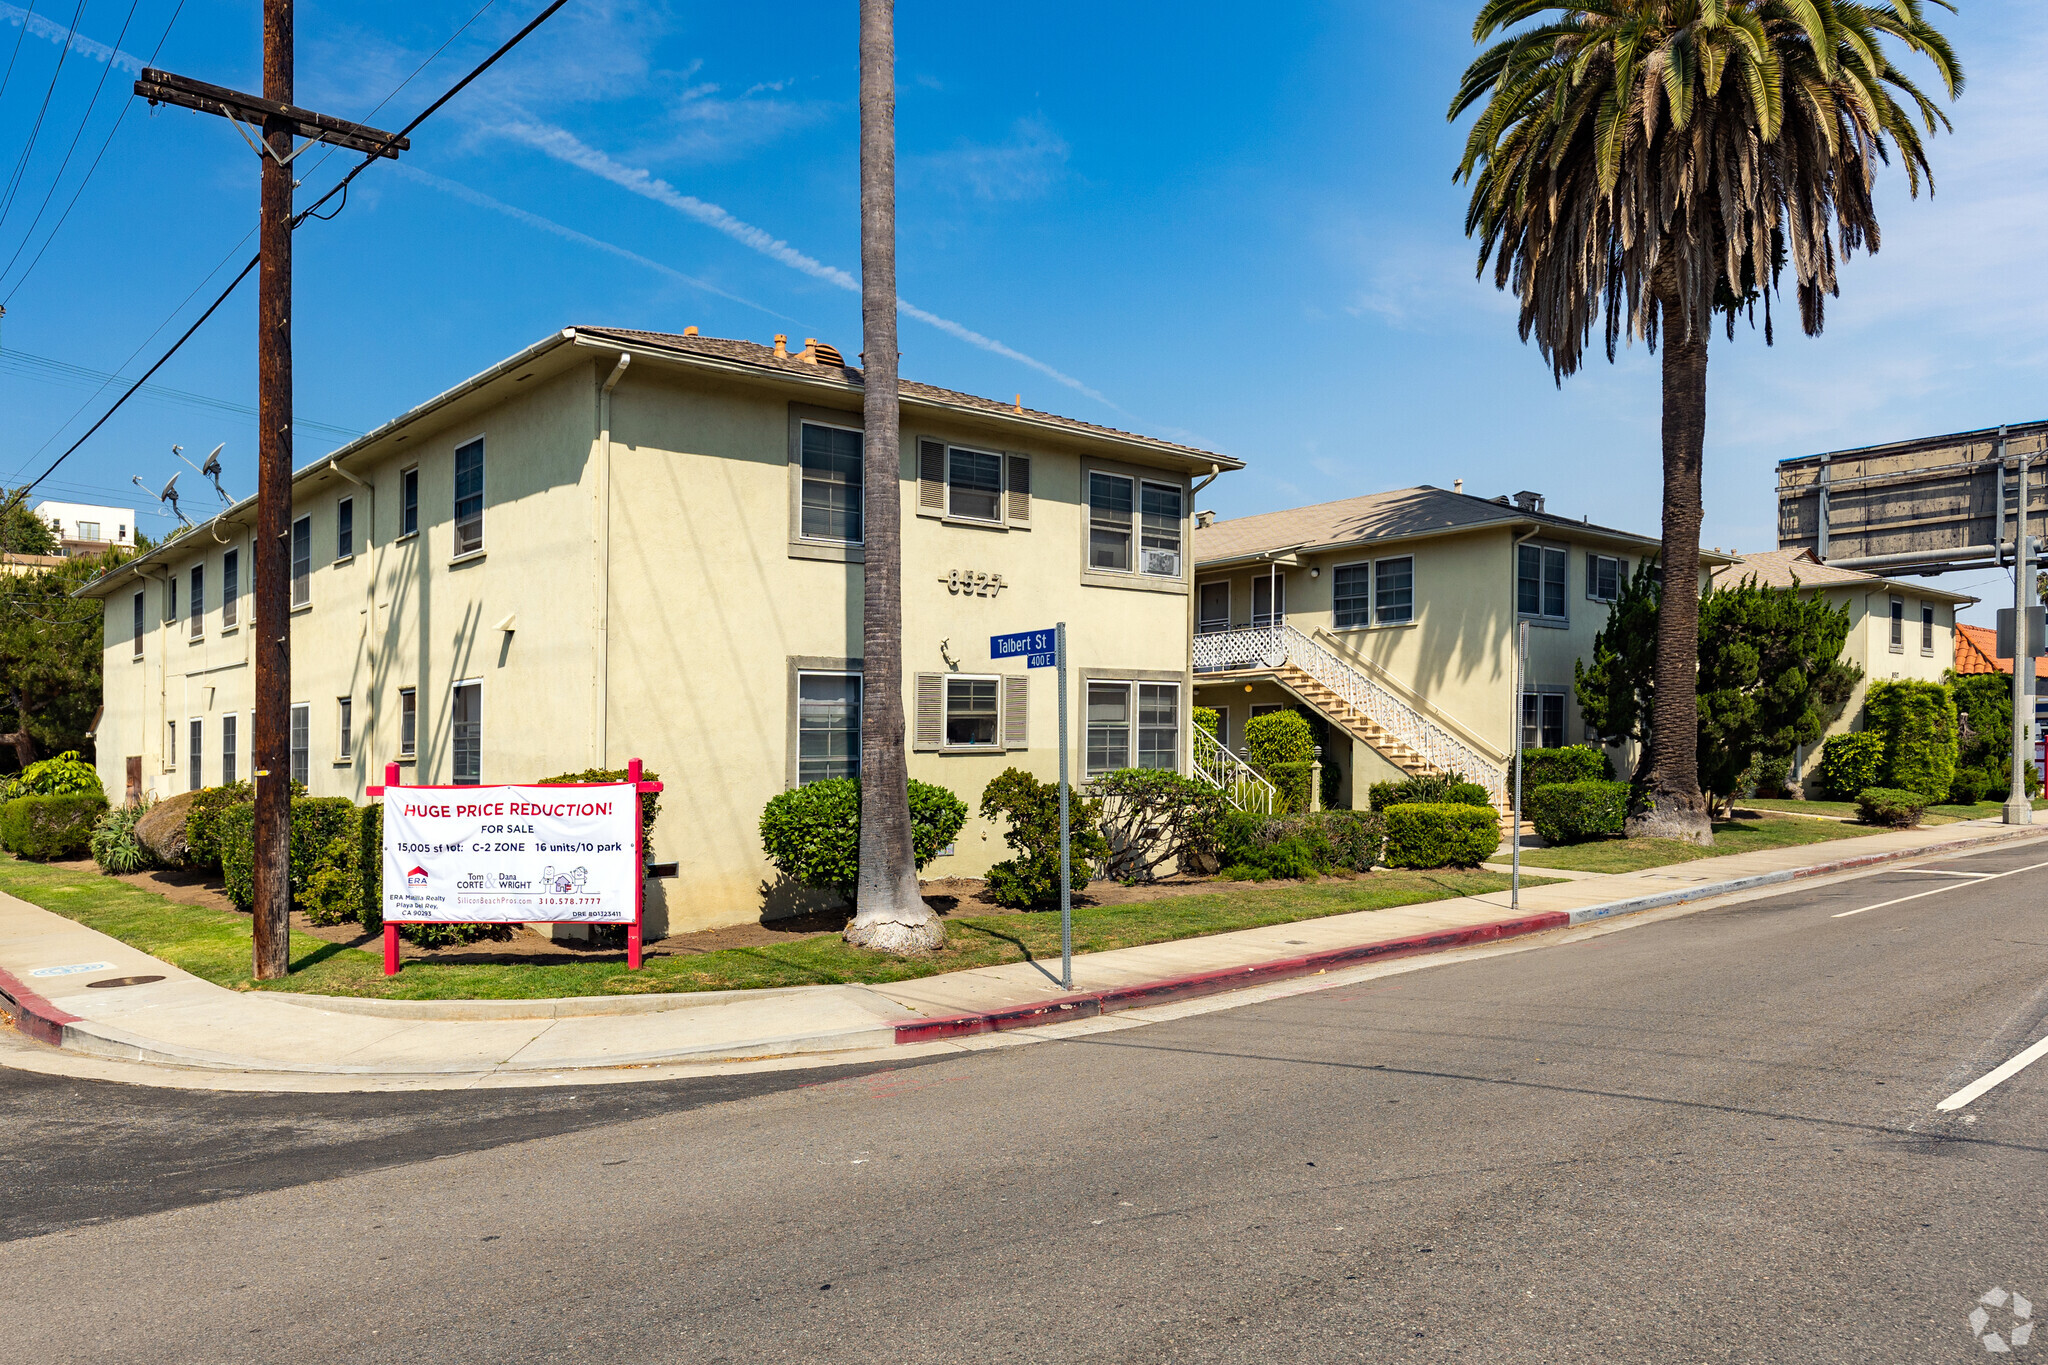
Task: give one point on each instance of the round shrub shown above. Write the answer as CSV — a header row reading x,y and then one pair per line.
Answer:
x,y
1031,812
1891,806
1281,746
1568,763
114,845
1967,789
1573,812
1849,763
812,834
1433,835
46,828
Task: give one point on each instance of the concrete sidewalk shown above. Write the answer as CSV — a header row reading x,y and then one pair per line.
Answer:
x,y
49,967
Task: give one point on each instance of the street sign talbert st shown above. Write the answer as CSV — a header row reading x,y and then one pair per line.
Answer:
x,y
1039,648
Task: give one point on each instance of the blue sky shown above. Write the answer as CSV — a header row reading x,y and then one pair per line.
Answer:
x,y
1232,226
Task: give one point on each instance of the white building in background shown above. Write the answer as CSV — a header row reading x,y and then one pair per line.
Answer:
x,y
86,529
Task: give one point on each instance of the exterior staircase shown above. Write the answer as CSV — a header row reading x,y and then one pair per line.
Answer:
x,y
1401,728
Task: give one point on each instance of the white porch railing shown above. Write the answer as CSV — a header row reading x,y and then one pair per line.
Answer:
x,y
1241,786
1279,645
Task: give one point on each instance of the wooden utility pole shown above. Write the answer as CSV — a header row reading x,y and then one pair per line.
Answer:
x,y
278,121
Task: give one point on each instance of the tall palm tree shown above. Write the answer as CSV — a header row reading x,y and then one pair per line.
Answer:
x,y
889,914
1648,162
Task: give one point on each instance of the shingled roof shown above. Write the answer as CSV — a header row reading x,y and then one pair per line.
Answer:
x,y
1782,568
754,353
1420,511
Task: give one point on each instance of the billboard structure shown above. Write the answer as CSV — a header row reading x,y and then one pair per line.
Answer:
x,y
1971,500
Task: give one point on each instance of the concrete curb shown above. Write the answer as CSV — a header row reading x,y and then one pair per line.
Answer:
x,y
33,1015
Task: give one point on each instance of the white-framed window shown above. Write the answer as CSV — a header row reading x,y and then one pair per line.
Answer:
x,y
1133,725
974,484
230,588
827,726
302,742
1898,625
1542,720
1604,576
1212,610
88,530
197,737
469,497
197,611
409,501
466,728
1351,595
408,722
973,712
1159,529
1269,600
1109,522
831,492
1539,581
136,630
1926,629
344,729
228,766
1393,590
302,561
345,529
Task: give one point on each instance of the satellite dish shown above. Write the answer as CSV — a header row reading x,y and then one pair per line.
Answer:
x,y
211,469
170,493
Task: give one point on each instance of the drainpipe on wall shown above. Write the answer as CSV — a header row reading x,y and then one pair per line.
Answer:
x,y
369,734
1187,750
163,675
601,728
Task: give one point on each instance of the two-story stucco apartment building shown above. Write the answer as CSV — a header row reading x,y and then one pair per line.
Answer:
x,y
623,544
1394,615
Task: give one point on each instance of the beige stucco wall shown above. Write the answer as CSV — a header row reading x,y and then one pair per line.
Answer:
x,y
708,609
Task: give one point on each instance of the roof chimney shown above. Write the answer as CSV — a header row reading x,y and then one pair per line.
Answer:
x,y
809,355
1204,520
781,346
691,330
1529,502
1457,485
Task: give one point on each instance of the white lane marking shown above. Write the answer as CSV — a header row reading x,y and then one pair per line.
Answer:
x,y
1983,876
1942,872
2002,1074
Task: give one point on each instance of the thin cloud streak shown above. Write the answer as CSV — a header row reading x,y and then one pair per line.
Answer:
x,y
534,220
566,147
82,45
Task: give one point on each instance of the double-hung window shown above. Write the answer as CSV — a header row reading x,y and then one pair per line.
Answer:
x,y
408,722
230,588
1539,581
409,502
1133,725
1898,625
827,726
469,498
1159,530
1542,720
345,735
972,711
1604,576
467,716
137,627
1393,590
228,727
302,561
1212,613
1926,629
831,491
1352,595
197,612
345,528
974,484
1109,522
198,737
302,743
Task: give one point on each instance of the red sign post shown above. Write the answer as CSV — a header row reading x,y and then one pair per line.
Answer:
x,y
640,786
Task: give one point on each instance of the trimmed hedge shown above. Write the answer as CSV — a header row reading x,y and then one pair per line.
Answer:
x,y
1291,782
1892,806
316,822
1300,847
1433,835
1918,722
812,833
50,827
1570,763
1849,763
1281,747
1447,789
1573,812
202,821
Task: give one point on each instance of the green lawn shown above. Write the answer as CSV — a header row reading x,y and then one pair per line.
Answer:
x,y
215,944
1730,836
1936,815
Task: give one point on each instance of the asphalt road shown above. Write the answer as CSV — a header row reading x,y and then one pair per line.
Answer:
x,y
1711,1138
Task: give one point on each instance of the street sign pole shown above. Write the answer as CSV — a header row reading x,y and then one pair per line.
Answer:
x,y
1066,881
1515,838
2018,809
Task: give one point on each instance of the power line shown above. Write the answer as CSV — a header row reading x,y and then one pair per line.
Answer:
x,y
35,131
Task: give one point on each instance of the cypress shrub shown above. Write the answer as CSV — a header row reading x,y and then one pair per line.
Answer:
x,y
1573,812
1918,722
44,828
1281,746
1433,835
1849,763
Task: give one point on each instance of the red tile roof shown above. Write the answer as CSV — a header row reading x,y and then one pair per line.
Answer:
x,y
1977,652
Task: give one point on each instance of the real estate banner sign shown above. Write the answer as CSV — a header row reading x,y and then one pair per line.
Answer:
x,y
511,854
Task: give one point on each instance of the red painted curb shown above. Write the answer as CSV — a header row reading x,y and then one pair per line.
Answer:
x,y
33,1015
1088,1004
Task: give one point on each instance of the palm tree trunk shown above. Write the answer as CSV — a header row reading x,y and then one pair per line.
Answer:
x,y
1676,809
890,914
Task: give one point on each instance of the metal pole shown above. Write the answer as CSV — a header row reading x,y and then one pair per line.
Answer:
x,y
2018,809
1515,838
1066,881
272,739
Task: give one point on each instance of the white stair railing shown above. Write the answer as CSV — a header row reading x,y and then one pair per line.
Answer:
x,y
1241,786
1280,644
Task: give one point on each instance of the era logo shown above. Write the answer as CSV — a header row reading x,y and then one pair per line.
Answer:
x,y
416,877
